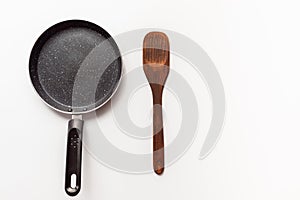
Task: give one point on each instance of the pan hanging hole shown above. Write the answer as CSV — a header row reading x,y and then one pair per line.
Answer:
x,y
73,181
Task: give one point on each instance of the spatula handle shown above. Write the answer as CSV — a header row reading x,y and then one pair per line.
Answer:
x,y
158,131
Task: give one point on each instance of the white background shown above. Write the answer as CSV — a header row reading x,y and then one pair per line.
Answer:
x,y
255,46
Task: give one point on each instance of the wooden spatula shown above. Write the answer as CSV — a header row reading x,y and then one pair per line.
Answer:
x,y
156,67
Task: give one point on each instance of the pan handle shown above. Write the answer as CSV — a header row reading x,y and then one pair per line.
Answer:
x,y
74,154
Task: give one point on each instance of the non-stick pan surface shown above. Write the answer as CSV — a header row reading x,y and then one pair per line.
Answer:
x,y
75,66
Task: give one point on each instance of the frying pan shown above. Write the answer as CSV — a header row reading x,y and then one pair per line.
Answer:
x,y
75,67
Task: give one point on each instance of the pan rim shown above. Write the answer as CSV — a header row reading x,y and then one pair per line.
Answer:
x,y
72,112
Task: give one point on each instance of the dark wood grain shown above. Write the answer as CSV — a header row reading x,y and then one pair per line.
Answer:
x,y
156,67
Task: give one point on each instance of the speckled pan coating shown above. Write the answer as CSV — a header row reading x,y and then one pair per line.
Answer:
x,y
75,66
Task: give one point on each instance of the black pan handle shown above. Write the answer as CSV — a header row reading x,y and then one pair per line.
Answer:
x,y
74,154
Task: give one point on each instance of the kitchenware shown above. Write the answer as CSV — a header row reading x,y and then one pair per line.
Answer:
x,y
156,67
75,67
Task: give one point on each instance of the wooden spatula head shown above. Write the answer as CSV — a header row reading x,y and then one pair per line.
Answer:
x,y
156,48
